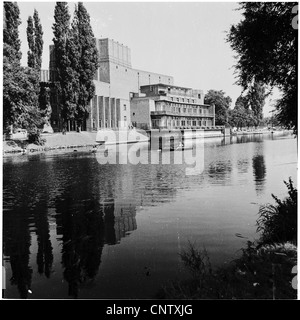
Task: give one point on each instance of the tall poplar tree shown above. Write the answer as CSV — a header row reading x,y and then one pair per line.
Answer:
x,y
35,41
63,72
11,41
38,43
84,60
31,41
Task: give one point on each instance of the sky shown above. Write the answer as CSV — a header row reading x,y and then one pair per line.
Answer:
x,y
186,40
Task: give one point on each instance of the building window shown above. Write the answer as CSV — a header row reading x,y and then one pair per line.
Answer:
x,y
184,110
125,118
194,123
183,122
178,99
171,98
199,96
124,107
133,113
116,67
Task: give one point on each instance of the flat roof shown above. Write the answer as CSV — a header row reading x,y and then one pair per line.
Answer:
x,y
166,85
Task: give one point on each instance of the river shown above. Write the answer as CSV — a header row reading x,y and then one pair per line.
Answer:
x,y
75,228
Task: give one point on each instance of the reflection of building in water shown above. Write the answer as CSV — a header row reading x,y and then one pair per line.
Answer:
x,y
219,169
124,219
119,217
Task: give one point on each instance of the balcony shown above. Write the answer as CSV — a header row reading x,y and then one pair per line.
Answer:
x,y
180,114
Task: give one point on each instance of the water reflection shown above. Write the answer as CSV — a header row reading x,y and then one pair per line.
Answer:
x,y
86,225
44,257
220,170
92,207
259,172
243,165
17,242
249,138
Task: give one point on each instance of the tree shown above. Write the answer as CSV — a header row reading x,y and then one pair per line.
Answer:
x,y
242,116
267,50
20,85
83,56
20,96
38,31
221,103
30,40
11,41
256,98
64,74
35,41
237,116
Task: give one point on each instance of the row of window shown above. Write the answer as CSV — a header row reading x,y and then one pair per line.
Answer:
x,y
184,123
184,99
181,109
107,123
193,123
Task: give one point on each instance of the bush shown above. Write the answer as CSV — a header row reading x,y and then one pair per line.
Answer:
x,y
278,223
34,136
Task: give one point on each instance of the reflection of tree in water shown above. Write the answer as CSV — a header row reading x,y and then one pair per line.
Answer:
x,y
44,257
87,225
83,238
17,242
259,172
242,165
26,205
249,138
219,169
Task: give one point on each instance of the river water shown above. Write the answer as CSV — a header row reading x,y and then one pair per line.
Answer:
x,y
75,228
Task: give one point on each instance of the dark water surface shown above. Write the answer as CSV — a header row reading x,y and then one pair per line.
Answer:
x,y
75,228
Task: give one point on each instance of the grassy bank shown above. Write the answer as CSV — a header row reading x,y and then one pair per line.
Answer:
x,y
263,271
52,142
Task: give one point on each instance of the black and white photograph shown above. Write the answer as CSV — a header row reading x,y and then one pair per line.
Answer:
x,y
149,152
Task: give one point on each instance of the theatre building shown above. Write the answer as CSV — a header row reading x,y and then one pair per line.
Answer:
x,y
127,97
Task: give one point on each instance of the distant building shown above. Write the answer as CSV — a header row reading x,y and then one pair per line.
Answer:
x,y
126,97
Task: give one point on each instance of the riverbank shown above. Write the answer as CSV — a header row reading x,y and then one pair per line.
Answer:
x,y
55,141
75,140
266,269
260,273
